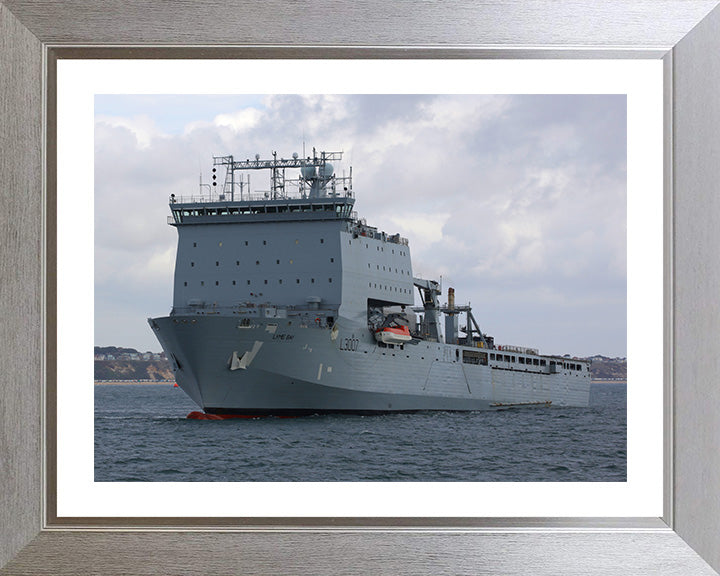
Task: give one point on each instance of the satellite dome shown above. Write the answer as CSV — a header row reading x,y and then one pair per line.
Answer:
x,y
295,155
327,171
308,172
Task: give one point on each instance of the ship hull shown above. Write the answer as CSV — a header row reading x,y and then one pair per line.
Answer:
x,y
283,367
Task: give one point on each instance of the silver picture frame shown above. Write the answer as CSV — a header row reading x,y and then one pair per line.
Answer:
x,y
684,34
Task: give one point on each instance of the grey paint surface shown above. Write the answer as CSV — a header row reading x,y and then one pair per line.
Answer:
x,y
241,338
643,25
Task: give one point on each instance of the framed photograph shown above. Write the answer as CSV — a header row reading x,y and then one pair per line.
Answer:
x,y
523,159
650,528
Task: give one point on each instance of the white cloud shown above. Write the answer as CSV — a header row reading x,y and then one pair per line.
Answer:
x,y
142,127
424,229
462,115
240,121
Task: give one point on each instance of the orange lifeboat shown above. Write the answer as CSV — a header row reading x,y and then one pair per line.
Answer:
x,y
393,335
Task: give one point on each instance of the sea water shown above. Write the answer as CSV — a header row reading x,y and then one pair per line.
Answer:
x,y
142,434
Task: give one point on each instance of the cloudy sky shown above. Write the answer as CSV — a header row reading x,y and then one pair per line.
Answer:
x,y
518,202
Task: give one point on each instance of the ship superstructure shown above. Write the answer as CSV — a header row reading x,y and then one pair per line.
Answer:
x,y
285,302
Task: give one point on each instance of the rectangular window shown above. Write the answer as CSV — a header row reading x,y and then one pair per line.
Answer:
x,y
473,357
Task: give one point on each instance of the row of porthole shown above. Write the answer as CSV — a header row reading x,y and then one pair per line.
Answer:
x,y
234,282
390,269
264,242
381,249
403,290
257,262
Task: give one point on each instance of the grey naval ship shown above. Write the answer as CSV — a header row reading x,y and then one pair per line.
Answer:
x,y
286,303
